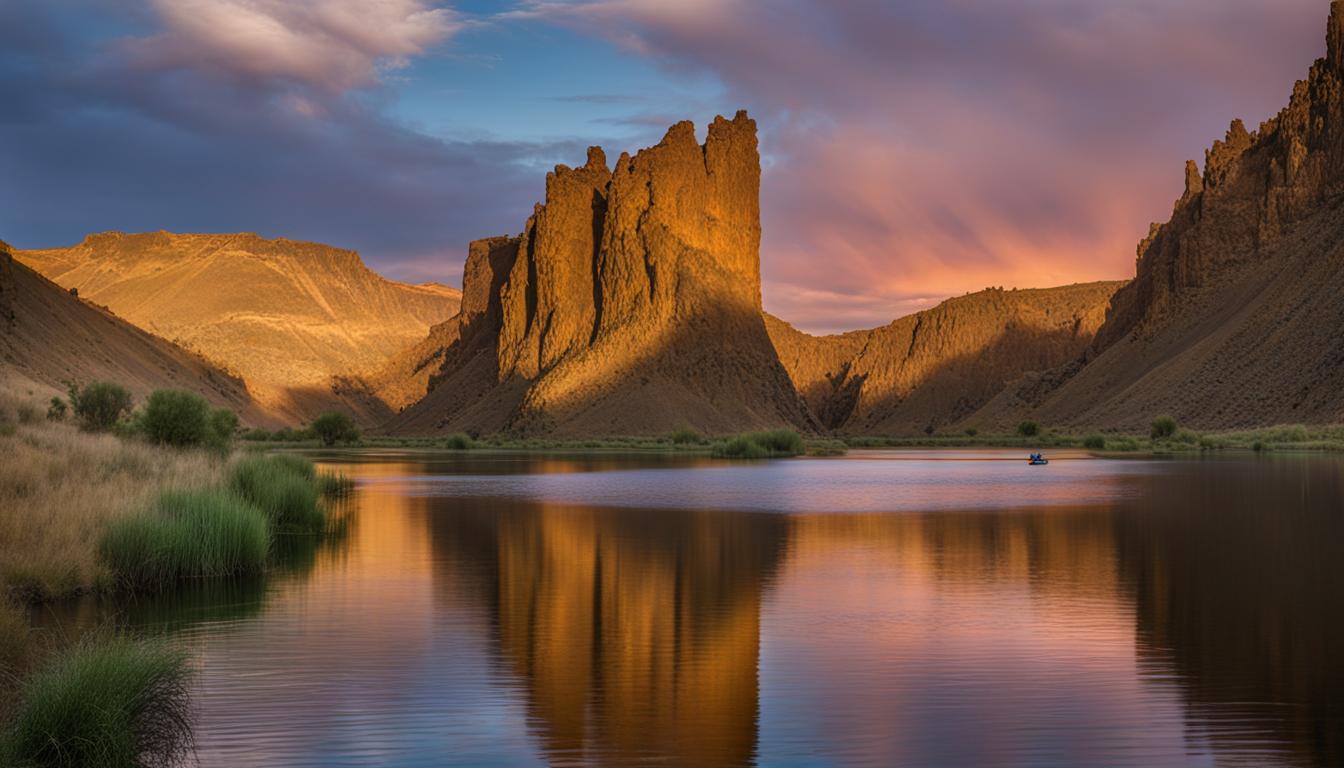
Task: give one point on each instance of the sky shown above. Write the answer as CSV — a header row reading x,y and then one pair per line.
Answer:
x,y
911,151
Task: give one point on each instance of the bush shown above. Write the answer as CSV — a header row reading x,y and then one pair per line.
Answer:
x,y
1028,429
223,426
685,437
1094,443
100,404
459,442
176,417
284,488
1163,427
972,431
187,534
761,445
333,427
107,703
56,410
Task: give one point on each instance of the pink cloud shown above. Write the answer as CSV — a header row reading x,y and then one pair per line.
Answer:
x,y
928,149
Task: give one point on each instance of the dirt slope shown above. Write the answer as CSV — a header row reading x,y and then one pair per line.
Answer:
x,y
936,367
1234,316
285,315
629,305
49,337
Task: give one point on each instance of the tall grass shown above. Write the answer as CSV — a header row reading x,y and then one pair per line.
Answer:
x,y
187,534
760,445
109,703
284,487
60,488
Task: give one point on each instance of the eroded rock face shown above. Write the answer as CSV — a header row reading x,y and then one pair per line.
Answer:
x,y
632,305
1233,318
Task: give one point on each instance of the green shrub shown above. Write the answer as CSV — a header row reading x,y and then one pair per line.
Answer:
x,y
184,535
1186,437
284,487
761,445
333,427
108,703
1163,427
256,434
1258,446
1028,429
459,441
100,404
740,447
223,426
1094,443
685,437
176,417
972,431
56,410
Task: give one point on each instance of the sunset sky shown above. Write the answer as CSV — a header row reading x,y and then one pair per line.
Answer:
x,y
912,150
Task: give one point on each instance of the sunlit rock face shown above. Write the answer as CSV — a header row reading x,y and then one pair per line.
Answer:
x,y
1233,317
632,304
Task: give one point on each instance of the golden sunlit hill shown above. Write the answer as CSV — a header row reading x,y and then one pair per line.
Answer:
x,y
1234,316
284,315
49,337
933,368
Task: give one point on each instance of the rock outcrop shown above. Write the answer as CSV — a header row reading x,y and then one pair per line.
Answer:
x,y
286,316
631,304
1234,316
933,369
49,337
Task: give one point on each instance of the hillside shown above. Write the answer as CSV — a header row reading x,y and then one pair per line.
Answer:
x,y
630,304
1233,317
49,337
936,367
284,315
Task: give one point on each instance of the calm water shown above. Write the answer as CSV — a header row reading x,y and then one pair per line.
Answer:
x,y
886,608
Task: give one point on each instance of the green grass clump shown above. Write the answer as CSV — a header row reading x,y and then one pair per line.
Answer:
x,y
109,703
1163,427
459,441
1094,443
335,484
184,535
685,437
1028,429
761,445
284,487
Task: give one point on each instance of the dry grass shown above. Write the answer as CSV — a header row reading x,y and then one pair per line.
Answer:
x,y
59,489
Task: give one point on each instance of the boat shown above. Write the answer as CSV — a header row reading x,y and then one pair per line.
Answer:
x,y
1037,460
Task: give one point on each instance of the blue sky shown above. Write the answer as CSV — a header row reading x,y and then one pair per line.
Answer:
x,y
913,151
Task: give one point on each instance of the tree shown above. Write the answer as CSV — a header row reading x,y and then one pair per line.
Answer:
x,y
176,417
333,427
100,404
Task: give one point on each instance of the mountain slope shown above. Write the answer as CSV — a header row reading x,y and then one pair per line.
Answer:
x,y
938,366
1234,316
49,337
630,304
284,315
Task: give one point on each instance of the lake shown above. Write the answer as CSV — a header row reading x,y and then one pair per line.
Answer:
x,y
887,608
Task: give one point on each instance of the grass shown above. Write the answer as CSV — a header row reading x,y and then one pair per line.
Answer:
x,y
110,702
760,445
184,535
1286,437
284,487
59,490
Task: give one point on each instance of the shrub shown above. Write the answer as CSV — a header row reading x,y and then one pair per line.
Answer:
x,y
333,427
761,445
1094,443
176,417
1163,427
223,425
459,442
107,703
972,431
187,534
1186,437
1028,429
100,404
284,487
56,410
685,437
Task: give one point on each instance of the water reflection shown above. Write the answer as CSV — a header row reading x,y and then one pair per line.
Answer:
x,y
1181,613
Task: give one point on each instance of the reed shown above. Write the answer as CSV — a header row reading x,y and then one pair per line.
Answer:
x,y
282,486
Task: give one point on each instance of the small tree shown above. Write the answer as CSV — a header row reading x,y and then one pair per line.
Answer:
x,y
176,417
56,410
1163,427
334,427
100,404
223,425
1028,429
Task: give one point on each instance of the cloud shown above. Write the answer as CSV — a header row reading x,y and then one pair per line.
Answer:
x,y
933,148
330,45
